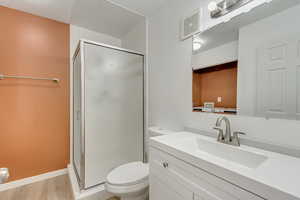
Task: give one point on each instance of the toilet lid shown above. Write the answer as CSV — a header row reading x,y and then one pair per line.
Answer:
x,y
128,174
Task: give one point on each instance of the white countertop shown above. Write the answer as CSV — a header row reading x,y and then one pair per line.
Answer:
x,y
276,178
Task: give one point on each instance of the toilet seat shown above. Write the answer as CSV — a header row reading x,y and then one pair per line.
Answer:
x,y
129,174
128,189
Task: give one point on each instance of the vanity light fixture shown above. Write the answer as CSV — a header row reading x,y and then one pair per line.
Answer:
x,y
224,7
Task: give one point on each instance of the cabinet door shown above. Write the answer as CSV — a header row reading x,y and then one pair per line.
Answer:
x,y
161,190
190,182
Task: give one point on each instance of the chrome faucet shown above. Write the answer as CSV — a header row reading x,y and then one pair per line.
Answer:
x,y
227,138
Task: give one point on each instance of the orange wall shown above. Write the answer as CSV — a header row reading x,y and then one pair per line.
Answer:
x,y
218,81
34,115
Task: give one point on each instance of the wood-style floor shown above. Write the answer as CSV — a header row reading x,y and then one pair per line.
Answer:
x,y
57,188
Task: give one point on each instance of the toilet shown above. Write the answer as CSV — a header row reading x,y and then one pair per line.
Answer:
x,y
130,181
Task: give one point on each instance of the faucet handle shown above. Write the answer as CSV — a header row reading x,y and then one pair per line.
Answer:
x,y
218,128
236,133
221,134
235,138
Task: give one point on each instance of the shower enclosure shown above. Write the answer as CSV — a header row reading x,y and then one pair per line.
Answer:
x,y
108,110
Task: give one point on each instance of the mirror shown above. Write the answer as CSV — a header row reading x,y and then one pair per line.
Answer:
x,y
250,65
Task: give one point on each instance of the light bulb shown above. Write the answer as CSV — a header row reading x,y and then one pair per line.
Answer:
x,y
212,6
196,46
197,43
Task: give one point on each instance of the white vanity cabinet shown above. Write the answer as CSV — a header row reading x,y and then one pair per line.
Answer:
x,y
174,179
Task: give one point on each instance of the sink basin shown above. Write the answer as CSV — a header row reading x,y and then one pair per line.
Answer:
x,y
233,154
222,151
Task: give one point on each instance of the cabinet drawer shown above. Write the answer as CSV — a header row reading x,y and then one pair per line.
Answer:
x,y
203,184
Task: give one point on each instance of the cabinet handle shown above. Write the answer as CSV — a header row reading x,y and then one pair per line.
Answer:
x,y
165,165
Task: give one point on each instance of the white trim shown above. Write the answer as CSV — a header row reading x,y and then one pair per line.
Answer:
x,y
33,179
97,192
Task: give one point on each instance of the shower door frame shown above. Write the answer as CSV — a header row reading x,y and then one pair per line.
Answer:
x,y
80,50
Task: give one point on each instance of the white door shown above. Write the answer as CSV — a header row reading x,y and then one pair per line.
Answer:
x,y
277,78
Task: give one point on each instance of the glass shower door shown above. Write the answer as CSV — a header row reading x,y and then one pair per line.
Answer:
x,y
114,115
108,111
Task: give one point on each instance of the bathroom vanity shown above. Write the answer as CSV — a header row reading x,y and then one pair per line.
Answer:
x,y
187,166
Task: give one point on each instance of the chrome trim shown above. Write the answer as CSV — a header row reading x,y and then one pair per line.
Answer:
x,y
111,47
224,8
79,177
228,137
87,188
83,110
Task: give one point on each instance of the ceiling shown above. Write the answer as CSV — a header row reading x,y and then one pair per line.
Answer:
x,y
112,17
143,7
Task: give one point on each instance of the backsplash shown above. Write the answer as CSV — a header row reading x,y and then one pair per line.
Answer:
x,y
269,134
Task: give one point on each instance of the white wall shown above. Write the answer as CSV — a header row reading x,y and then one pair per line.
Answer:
x,y
250,38
77,33
170,74
135,39
219,55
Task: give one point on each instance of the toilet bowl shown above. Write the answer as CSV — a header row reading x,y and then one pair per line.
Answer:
x,y
130,181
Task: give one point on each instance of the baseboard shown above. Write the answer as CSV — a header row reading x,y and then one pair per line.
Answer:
x,y
33,179
95,193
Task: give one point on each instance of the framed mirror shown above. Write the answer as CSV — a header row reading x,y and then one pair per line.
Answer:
x,y
250,65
